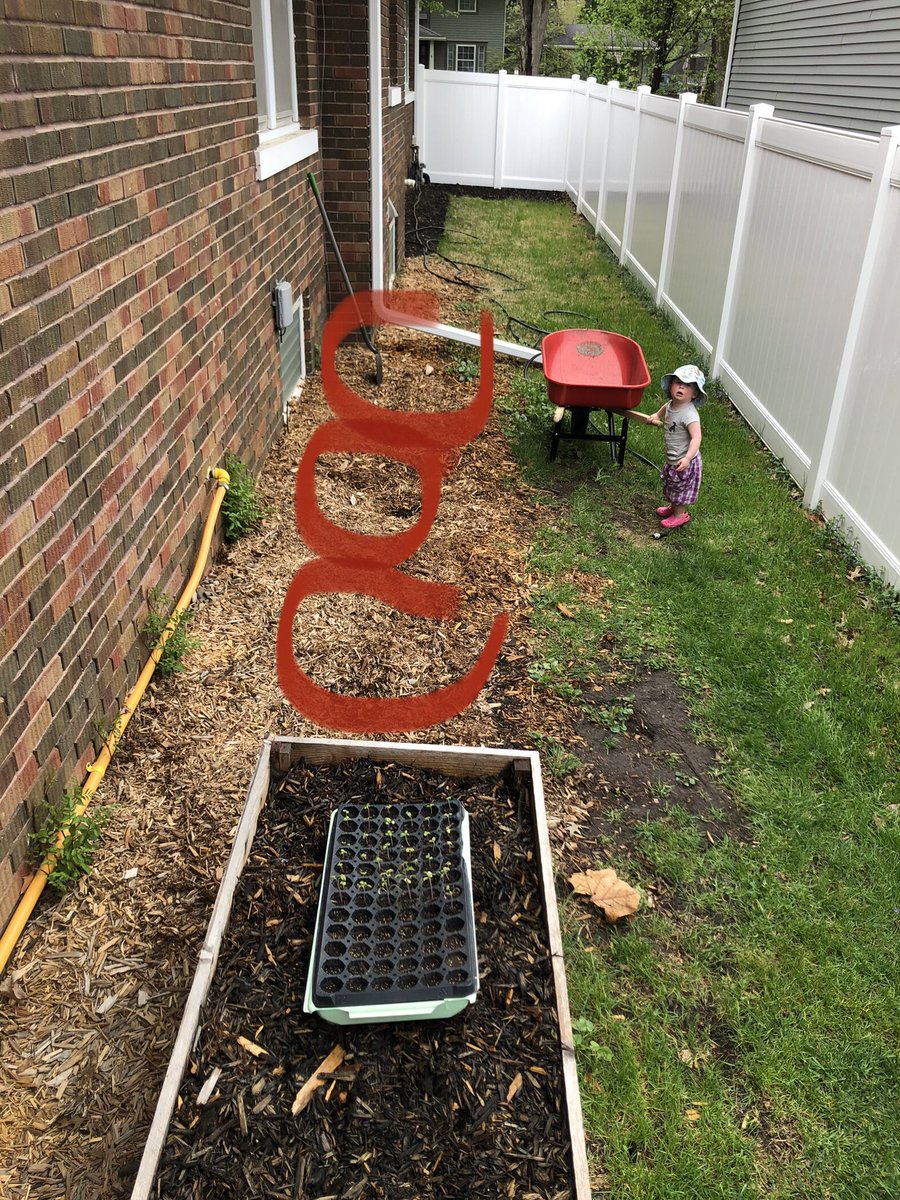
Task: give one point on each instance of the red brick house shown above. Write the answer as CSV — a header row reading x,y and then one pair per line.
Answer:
x,y
153,188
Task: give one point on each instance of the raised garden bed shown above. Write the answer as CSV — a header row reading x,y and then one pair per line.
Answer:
x,y
482,1105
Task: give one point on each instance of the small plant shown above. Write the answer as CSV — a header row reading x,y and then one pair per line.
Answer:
x,y
75,856
583,1029
110,729
467,369
559,761
614,717
877,591
551,674
179,643
242,512
686,780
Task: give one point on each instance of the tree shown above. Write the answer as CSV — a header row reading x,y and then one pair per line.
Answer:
x,y
657,34
533,16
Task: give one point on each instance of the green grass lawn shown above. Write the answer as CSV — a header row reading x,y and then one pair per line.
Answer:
x,y
743,1043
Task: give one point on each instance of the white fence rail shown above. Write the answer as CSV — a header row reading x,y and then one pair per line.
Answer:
x,y
774,245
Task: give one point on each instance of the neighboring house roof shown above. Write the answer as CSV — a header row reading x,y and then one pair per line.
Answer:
x,y
566,40
428,35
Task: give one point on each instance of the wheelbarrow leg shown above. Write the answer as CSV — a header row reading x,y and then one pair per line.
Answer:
x,y
558,418
623,441
611,429
580,416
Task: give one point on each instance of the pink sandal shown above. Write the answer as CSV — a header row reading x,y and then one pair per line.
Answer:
x,y
676,522
664,510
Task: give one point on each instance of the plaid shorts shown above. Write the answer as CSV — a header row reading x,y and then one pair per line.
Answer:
x,y
682,487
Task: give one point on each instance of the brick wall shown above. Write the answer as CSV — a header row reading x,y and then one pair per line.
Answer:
x,y
344,143
137,253
398,119
345,133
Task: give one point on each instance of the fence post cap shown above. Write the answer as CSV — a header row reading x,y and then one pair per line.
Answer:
x,y
687,97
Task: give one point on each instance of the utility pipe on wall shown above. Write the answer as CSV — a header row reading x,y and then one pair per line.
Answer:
x,y
97,770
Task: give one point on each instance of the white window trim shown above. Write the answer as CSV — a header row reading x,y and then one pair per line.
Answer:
x,y
409,88
473,46
289,146
280,146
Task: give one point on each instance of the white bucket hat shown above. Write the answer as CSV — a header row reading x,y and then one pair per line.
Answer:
x,y
687,374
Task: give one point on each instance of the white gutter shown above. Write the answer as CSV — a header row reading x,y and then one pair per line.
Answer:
x,y
376,155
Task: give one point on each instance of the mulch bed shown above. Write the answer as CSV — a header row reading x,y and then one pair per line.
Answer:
x,y
470,1106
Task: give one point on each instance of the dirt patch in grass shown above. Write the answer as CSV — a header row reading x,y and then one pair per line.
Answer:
x,y
642,762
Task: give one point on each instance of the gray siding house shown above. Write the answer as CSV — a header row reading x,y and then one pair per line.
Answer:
x,y
471,37
827,62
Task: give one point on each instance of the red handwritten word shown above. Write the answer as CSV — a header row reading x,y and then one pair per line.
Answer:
x,y
367,565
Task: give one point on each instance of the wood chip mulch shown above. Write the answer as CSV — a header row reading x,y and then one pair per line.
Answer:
x,y
94,993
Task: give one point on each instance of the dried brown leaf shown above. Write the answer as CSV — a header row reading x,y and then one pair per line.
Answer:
x,y
605,889
514,1087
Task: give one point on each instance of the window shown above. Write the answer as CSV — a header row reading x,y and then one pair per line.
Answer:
x,y
282,142
292,354
467,5
465,57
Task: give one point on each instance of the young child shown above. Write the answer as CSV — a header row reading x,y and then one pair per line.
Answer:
x,y
681,422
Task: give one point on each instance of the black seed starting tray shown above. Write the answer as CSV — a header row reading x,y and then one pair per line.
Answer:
x,y
395,929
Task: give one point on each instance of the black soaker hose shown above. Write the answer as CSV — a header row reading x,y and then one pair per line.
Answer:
x,y
367,337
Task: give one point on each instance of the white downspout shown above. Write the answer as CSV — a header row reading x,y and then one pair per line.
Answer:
x,y
376,139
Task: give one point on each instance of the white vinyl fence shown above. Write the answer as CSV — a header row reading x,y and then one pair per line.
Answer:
x,y
774,245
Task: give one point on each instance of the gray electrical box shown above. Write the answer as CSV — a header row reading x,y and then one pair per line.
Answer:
x,y
283,303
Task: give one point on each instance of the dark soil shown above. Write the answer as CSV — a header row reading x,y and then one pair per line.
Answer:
x,y
466,1107
642,764
654,765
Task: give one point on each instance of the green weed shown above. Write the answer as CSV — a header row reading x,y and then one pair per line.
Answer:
x,y
559,761
614,717
242,511
180,642
76,855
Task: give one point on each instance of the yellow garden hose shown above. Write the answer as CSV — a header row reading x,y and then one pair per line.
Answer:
x,y
97,769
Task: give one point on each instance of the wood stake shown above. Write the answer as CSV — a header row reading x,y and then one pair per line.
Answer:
x,y
303,1097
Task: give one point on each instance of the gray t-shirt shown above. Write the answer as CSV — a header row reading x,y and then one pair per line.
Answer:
x,y
675,423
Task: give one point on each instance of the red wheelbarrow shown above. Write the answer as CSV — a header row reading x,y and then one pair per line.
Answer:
x,y
590,369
